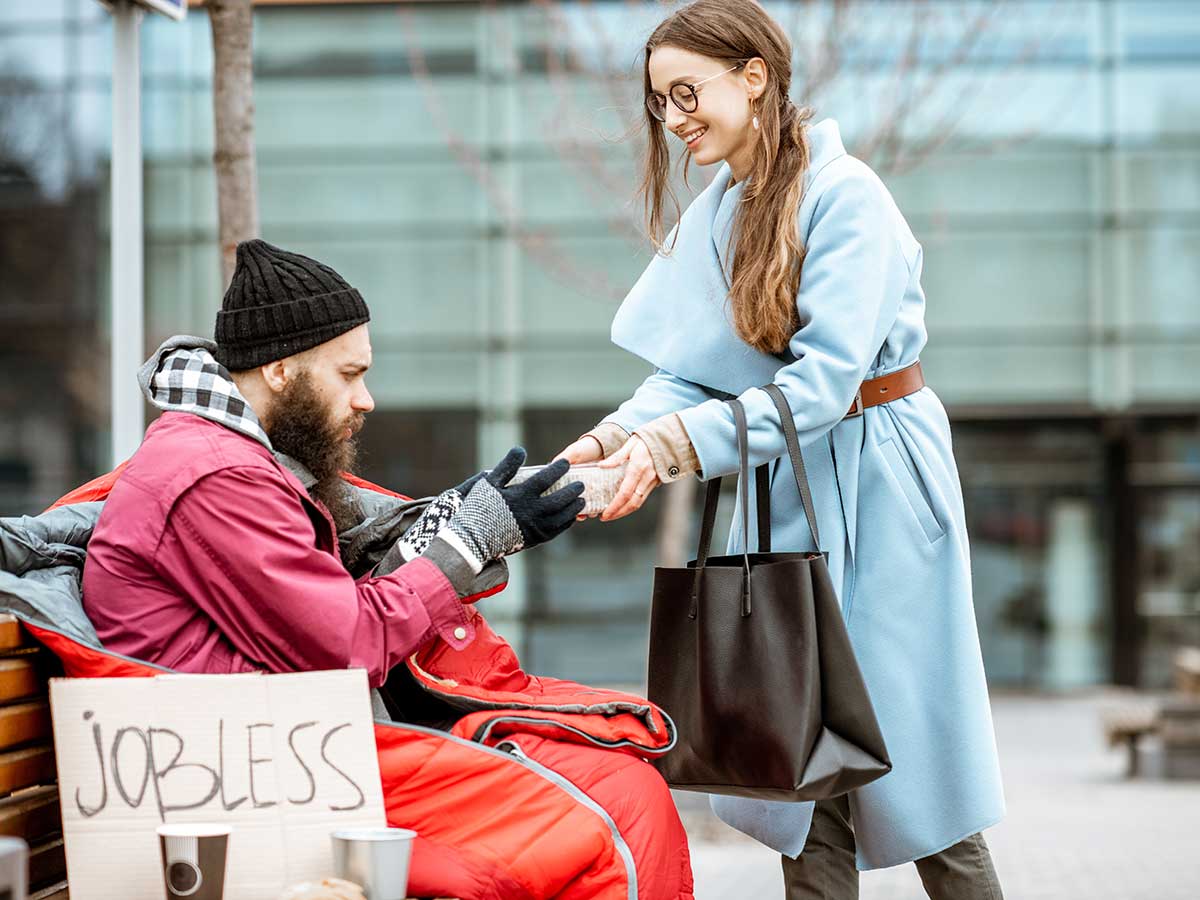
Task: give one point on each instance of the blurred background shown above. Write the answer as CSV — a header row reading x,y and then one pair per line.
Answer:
x,y
471,167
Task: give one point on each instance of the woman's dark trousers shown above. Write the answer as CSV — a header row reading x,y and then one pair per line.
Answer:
x,y
825,870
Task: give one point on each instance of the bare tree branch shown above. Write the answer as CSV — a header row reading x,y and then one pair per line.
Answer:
x,y
912,154
595,281
936,47
888,134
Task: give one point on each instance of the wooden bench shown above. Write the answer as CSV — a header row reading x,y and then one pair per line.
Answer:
x,y
28,791
1185,667
1176,720
1127,725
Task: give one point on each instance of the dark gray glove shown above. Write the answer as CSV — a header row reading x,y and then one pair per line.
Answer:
x,y
497,519
465,488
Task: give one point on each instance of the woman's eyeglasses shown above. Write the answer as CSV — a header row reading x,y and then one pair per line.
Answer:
x,y
682,95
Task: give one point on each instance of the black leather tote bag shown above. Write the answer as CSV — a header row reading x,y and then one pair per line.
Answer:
x,y
750,656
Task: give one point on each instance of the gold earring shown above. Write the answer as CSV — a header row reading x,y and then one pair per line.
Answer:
x,y
753,110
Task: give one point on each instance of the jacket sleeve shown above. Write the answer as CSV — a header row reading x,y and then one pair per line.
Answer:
x,y
658,395
854,276
244,550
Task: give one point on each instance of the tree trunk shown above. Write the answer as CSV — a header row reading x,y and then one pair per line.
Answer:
x,y
233,112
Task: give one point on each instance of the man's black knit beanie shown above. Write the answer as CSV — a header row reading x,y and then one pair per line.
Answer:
x,y
280,303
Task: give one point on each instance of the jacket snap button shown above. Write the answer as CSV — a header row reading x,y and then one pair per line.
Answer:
x,y
673,471
460,632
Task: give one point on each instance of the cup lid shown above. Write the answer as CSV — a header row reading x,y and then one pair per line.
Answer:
x,y
194,829
374,834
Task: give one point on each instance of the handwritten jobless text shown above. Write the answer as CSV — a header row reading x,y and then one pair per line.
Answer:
x,y
138,764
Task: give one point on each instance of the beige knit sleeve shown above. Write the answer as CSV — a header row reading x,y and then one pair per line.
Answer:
x,y
670,448
610,436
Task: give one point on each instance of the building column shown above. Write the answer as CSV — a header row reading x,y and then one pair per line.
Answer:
x,y
1123,552
1073,578
499,392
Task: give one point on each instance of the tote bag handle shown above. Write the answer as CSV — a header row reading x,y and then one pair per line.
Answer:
x,y
708,522
793,444
762,487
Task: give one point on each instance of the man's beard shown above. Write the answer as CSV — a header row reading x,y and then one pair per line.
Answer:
x,y
300,425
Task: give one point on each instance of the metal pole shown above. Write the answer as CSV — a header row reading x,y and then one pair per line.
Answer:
x,y
128,419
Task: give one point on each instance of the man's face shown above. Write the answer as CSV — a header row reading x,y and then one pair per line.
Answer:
x,y
336,371
320,407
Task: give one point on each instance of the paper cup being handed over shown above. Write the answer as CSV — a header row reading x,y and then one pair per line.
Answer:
x,y
599,485
193,858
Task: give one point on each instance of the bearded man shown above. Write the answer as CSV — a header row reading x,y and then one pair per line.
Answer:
x,y
218,548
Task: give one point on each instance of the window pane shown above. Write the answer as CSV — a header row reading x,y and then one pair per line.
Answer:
x,y
418,452
1034,512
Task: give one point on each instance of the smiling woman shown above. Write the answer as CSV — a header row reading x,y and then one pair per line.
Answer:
x,y
795,270
748,120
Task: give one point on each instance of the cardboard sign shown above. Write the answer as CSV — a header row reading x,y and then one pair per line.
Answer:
x,y
283,759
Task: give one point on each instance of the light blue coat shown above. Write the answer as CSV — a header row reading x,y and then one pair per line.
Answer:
x,y
886,487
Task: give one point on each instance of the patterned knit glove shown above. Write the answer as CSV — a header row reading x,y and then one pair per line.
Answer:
x,y
436,516
497,519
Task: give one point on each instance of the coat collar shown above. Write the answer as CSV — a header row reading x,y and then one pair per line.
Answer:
x,y
676,316
824,146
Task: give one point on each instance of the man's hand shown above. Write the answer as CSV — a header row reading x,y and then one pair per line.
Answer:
x,y
497,519
437,515
465,488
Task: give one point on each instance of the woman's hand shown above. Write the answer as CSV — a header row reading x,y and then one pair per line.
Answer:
x,y
586,449
640,479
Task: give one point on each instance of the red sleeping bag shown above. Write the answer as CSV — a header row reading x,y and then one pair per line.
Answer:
x,y
540,790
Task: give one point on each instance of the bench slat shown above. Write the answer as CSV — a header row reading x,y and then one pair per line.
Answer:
x,y
12,635
54,892
48,864
19,679
31,814
26,768
24,723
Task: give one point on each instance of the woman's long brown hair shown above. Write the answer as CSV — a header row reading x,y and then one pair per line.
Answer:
x,y
768,254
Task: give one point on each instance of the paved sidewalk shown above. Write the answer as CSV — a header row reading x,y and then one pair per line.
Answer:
x,y
1076,830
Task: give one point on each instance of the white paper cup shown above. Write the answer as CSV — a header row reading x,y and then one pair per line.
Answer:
x,y
14,867
375,859
193,859
599,485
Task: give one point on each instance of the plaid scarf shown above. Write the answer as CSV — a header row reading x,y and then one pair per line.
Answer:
x,y
184,376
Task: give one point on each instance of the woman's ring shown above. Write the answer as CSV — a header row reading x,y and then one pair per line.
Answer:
x,y
638,493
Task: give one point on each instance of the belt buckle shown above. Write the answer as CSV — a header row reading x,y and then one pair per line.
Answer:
x,y
857,409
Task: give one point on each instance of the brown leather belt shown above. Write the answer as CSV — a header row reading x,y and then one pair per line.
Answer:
x,y
886,388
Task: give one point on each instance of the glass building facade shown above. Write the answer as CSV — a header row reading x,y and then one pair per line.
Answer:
x,y
471,168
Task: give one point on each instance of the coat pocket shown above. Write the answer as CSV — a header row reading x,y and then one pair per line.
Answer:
x,y
906,476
